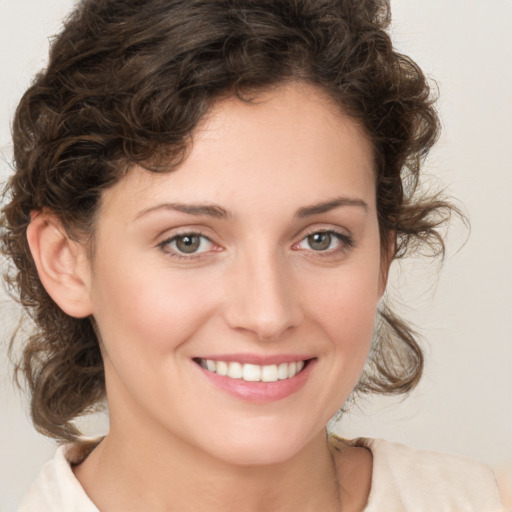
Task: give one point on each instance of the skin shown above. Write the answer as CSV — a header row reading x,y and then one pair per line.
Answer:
x,y
255,286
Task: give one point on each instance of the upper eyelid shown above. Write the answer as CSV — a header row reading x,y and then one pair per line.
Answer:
x,y
342,237
189,233
172,238
165,237
339,231
330,231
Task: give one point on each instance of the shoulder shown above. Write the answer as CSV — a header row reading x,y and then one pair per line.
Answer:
x,y
418,480
56,489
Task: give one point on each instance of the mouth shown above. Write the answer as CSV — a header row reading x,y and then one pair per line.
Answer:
x,y
257,379
253,372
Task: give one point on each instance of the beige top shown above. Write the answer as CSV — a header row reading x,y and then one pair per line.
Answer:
x,y
403,480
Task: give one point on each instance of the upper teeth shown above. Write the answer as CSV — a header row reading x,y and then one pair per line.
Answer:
x,y
253,372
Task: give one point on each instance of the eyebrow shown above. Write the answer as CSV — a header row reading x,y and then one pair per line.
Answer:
x,y
205,210
326,206
218,212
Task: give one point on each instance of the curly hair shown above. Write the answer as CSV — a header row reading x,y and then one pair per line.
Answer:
x,y
129,80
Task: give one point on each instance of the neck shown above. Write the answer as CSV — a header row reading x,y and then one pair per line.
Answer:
x,y
159,472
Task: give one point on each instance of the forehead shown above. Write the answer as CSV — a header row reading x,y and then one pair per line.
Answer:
x,y
289,145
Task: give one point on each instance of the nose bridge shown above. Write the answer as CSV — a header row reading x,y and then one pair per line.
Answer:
x,y
262,299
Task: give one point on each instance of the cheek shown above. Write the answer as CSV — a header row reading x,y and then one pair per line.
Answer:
x,y
149,309
343,307
346,303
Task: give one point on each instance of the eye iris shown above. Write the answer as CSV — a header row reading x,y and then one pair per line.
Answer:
x,y
188,243
319,241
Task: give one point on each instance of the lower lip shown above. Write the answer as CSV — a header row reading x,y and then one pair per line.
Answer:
x,y
260,392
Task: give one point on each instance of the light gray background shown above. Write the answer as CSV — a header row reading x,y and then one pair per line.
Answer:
x,y
464,403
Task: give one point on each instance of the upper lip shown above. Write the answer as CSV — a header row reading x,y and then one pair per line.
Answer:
x,y
261,360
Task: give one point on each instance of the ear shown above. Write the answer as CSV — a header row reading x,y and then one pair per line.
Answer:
x,y
388,253
61,263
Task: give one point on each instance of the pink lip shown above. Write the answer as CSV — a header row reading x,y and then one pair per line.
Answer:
x,y
259,392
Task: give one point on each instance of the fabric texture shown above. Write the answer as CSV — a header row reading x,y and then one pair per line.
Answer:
x,y
409,480
403,480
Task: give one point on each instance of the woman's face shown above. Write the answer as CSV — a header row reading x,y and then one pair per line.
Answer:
x,y
260,257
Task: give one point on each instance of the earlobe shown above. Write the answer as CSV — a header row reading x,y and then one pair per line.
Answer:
x,y
61,263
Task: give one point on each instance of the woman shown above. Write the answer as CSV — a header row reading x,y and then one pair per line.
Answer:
x,y
207,199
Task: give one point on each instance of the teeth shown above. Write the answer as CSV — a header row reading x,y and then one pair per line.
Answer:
x,y
282,371
253,372
235,370
222,367
269,373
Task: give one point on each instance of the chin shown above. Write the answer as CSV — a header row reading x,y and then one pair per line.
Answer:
x,y
260,455
261,448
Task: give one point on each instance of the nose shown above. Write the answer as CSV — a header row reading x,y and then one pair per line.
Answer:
x,y
261,298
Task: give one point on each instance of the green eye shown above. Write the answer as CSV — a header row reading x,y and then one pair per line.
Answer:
x,y
320,241
329,242
188,243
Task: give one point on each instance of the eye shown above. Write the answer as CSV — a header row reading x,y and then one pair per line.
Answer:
x,y
187,244
325,241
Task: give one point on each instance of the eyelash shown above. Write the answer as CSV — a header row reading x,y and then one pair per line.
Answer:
x,y
346,243
180,255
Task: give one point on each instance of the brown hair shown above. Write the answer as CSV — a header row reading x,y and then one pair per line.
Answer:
x,y
128,80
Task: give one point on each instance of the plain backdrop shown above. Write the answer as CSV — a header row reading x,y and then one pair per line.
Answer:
x,y
464,403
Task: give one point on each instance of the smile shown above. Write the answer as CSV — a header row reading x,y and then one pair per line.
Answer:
x,y
252,372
